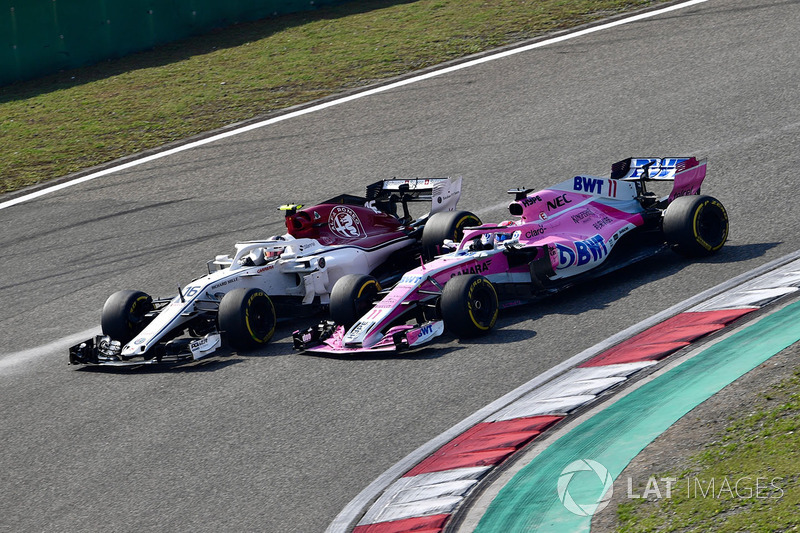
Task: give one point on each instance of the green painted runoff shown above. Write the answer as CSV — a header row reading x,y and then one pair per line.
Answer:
x,y
614,436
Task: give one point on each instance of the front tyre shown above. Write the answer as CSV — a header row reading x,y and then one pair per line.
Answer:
x,y
123,315
696,226
351,297
469,305
247,318
448,225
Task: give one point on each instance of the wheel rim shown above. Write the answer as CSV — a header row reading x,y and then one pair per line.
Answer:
x,y
366,296
711,227
465,222
137,313
481,307
259,319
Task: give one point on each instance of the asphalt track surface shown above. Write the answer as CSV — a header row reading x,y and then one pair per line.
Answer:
x,y
273,441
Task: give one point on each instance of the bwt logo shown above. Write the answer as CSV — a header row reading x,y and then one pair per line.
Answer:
x,y
590,185
604,494
592,249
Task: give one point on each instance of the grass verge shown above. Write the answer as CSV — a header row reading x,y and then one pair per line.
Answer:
x,y
76,119
748,480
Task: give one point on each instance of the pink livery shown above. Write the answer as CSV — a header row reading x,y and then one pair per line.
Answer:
x,y
576,230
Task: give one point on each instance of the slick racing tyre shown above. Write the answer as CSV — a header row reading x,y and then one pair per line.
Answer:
x,y
442,226
123,315
351,297
469,305
247,318
696,226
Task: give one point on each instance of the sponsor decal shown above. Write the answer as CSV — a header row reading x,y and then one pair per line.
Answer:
x,y
410,279
387,303
660,169
425,333
583,215
359,328
590,185
620,233
543,215
263,269
198,344
591,250
344,222
530,200
477,268
534,232
207,344
686,191
603,222
558,201
316,216
140,340
222,283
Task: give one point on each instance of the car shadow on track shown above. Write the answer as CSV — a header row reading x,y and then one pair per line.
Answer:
x,y
213,363
599,293
421,353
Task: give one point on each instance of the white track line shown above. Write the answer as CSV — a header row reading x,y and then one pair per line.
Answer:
x,y
350,98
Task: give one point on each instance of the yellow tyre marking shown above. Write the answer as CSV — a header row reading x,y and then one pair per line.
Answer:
x,y
458,226
247,320
367,284
697,236
469,306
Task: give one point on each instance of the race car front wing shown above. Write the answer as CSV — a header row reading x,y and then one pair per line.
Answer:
x,y
328,337
102,350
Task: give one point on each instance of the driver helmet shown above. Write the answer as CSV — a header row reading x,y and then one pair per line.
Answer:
x,y
504,236
254,258
276,252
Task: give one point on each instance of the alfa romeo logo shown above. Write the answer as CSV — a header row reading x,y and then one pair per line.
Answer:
x,y
344,222
585,508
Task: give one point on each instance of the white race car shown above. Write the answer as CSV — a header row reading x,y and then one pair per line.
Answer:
x,y
242,297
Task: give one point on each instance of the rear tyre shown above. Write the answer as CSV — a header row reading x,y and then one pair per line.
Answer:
x,y
469,305
695,226
442,226
123,315
351,297
247,318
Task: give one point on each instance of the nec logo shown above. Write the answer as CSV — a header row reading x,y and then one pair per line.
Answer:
x,y
590,185
558,201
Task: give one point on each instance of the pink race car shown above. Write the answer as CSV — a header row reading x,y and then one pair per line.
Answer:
x,y
577,230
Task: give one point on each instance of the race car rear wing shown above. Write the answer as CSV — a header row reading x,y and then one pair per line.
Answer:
x,y
688,173
443,193
652,168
